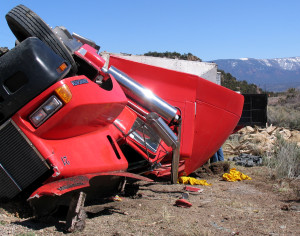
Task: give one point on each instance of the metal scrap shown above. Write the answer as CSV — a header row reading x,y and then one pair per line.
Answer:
x,y
247,160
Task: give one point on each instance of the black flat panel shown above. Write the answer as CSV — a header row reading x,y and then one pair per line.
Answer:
x,y
254,110
18,158
25,72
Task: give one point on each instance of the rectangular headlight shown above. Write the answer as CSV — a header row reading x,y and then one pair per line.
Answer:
x,y
51,105
46,110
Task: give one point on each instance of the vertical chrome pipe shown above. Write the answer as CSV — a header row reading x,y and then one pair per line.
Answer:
x,y
142,95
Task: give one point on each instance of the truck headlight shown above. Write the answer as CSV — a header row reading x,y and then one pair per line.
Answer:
x,y
46,110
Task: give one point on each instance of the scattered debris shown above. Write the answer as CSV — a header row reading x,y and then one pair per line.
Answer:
x,y
183,203
192,181
116,198
247,160
219,227
185,195
257,141
235,233
235,175
193,189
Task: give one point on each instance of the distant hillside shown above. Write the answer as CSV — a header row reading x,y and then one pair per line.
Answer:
x,y
227,80
174,55
269,74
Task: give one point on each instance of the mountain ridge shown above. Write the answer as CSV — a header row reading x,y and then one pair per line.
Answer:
x,y
277,74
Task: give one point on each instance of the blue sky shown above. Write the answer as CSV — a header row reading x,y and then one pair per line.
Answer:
x,y
218,29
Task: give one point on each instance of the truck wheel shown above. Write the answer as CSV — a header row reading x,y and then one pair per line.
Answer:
x,y
25,23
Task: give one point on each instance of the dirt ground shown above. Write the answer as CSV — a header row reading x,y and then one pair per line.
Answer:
x,y
261,206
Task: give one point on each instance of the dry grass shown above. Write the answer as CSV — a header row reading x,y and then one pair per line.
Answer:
x,y
286,159
284,111
284,116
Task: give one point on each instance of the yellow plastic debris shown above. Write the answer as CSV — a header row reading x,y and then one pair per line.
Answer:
x,y
116,198
192,181
235,175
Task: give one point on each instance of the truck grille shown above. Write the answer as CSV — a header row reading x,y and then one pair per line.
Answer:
x,y
20,162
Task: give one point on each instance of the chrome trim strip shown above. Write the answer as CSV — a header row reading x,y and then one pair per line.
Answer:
x,y
5,124
11,178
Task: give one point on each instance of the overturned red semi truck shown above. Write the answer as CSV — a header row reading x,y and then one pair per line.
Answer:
x,y
74,122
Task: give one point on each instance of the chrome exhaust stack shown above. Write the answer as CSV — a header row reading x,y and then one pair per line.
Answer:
x,y
170,139
142,95
162,129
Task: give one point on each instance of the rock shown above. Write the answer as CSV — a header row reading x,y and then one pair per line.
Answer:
x,y
257,140
249,129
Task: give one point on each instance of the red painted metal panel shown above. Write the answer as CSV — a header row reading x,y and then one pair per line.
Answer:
x,y
90,108
91,56
209,111
167,84
213,126
75,139
60,187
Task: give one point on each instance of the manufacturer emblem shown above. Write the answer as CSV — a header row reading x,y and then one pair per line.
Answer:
x,y
79,82
65,161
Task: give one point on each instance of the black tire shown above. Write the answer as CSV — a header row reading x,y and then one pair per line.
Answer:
x,y
24,23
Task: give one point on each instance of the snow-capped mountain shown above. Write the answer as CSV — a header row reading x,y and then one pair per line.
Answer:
x,y
271,74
